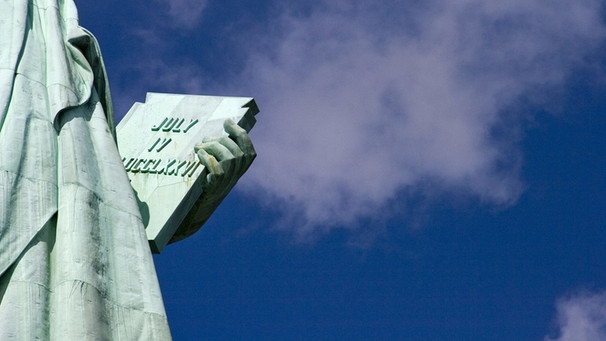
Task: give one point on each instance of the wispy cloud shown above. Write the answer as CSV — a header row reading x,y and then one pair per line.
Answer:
x,y
581,317
185,13
362,103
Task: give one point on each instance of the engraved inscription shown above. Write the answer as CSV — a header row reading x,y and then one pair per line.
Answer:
x,y
191,124
162,166
170,167
156,128
160,144
177,128
174,125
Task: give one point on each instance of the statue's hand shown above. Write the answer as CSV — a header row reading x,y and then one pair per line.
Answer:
x,y
226,159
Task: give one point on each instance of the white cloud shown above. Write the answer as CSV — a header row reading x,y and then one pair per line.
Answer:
x,y
185,13
363,102
581,318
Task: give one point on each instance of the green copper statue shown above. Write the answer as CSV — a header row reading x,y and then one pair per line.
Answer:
x,y
75,263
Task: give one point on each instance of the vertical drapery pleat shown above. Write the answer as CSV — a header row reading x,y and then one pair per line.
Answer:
x,y
74,258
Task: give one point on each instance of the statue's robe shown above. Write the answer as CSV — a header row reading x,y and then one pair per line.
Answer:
x,y
74,259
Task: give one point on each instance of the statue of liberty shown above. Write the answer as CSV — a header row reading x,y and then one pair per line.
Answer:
x,y
75,263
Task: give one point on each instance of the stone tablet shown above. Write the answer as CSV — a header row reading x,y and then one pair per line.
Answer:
x,y
156,140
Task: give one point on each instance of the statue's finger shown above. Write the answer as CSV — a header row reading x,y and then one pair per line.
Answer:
x,y
204,157
211,179
233,147
239,135
208,161
218,150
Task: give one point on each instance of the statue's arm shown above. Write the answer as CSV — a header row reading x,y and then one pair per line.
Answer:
x,y
226,159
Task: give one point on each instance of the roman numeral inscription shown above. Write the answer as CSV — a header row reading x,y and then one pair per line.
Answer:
x,y
156,140
160,144
170,167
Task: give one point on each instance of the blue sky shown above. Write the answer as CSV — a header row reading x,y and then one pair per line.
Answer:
x,y
427,170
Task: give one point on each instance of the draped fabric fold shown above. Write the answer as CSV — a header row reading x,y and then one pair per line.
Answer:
x,y
74,258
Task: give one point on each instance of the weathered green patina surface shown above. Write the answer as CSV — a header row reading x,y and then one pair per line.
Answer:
x,y
157,140
75,263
